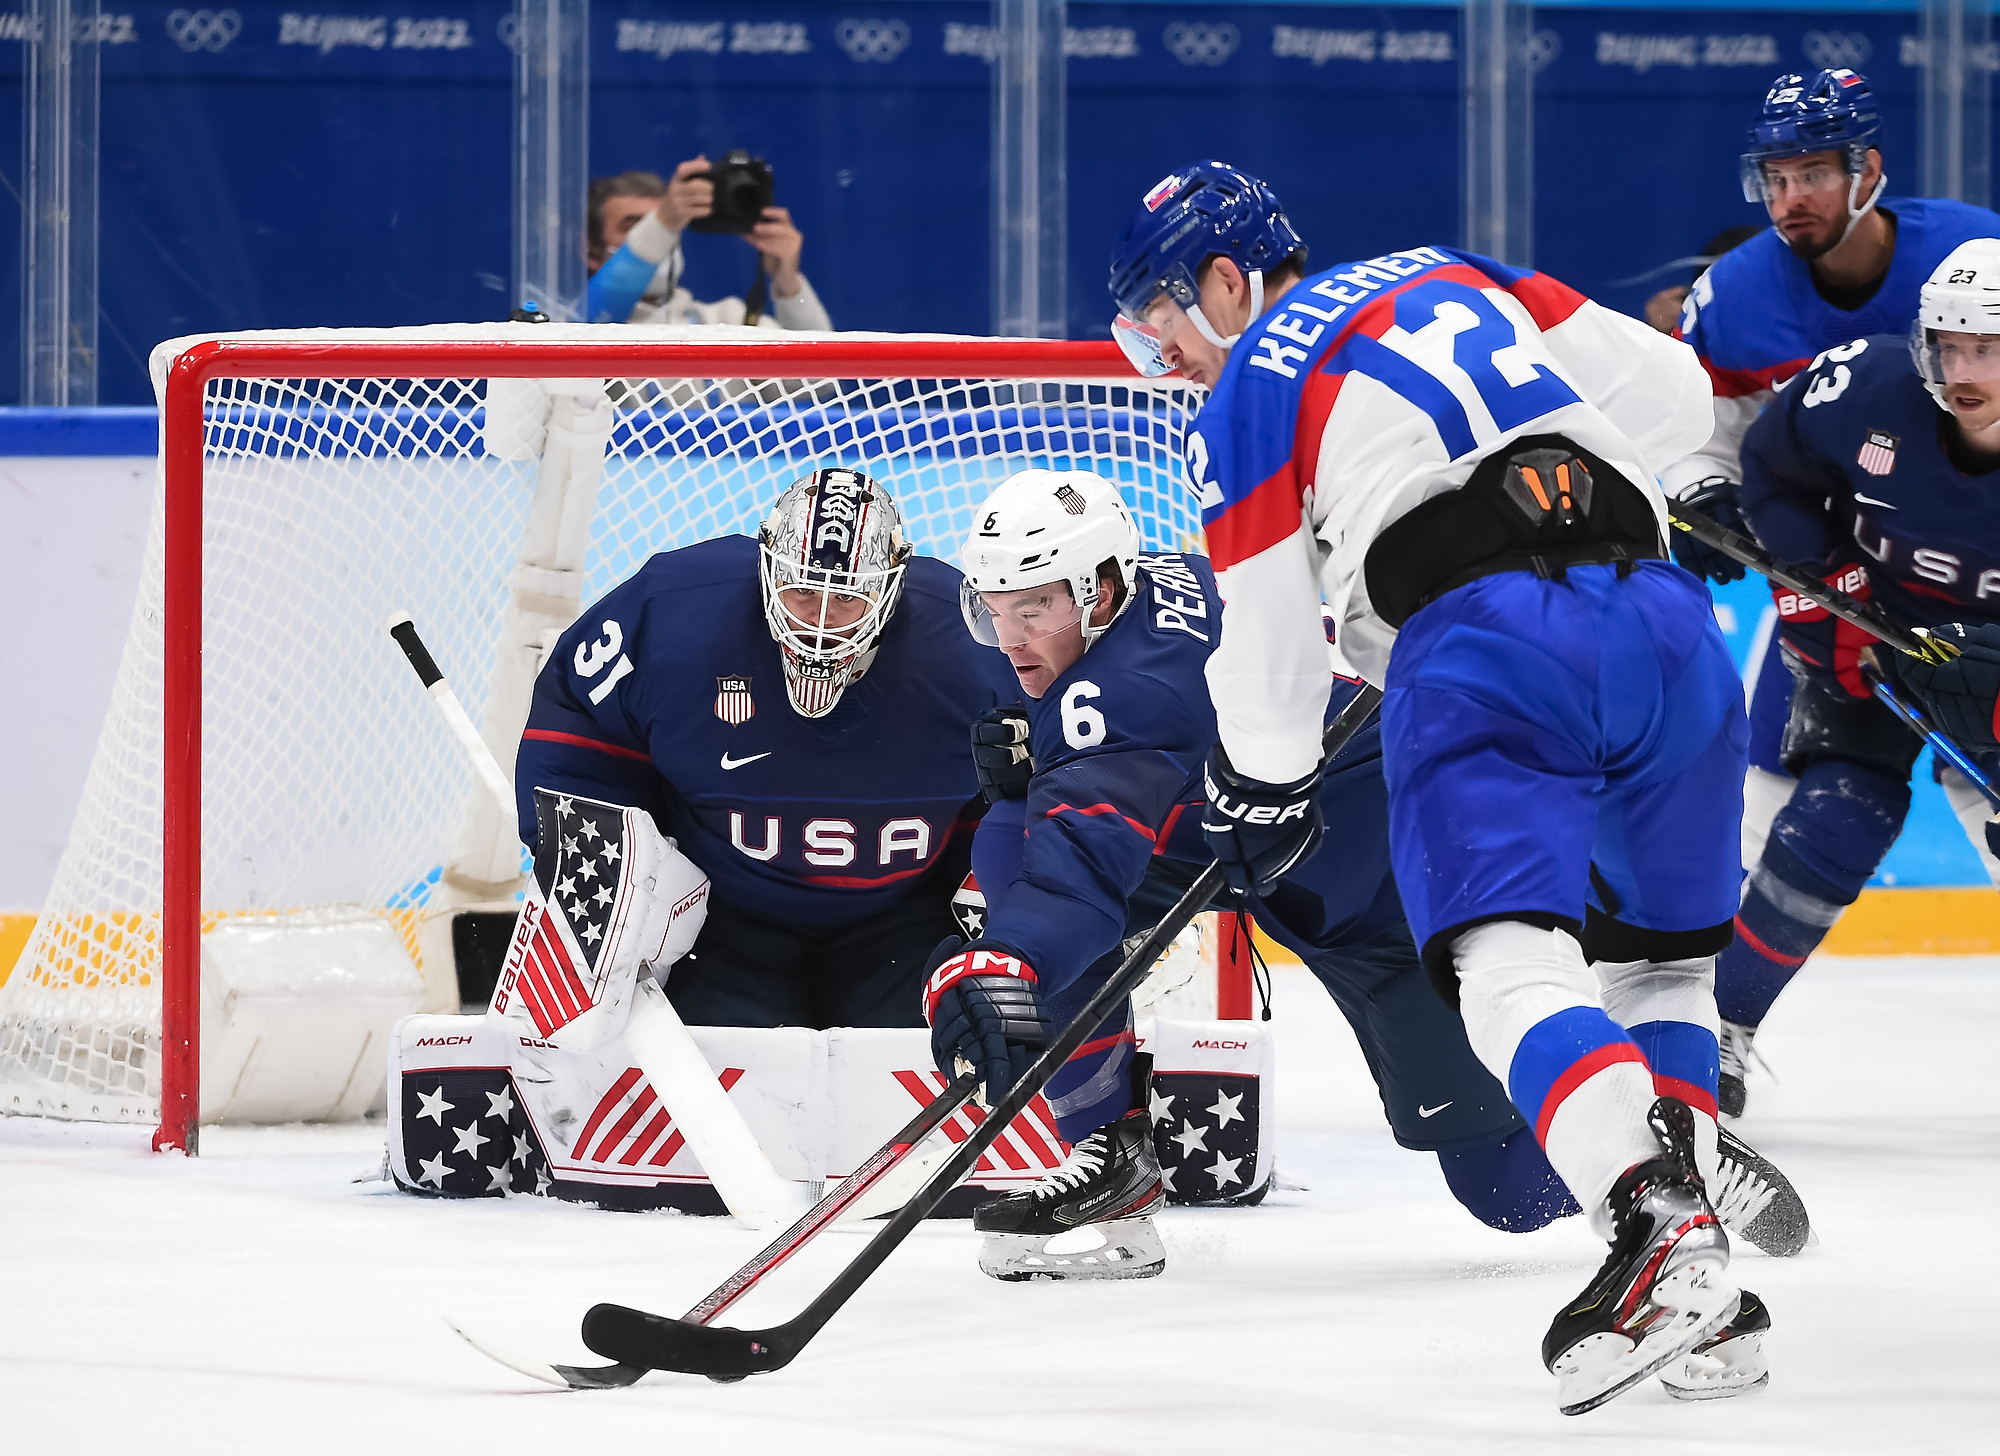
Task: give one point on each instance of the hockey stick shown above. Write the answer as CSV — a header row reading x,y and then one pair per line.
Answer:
x,y
1871,619
633,1337
655,1035
817,1219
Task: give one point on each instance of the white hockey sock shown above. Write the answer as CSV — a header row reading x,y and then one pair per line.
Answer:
x,y
1534,1018
1669,1009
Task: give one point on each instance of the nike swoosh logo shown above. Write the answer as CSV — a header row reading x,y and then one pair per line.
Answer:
x,y
1423,1111
728,762
1869,500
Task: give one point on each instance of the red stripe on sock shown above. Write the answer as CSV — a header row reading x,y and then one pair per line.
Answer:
x,y
1699,1098
1580,1071
1764,950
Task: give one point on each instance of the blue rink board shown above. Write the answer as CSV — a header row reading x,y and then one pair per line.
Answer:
x,y
1933,849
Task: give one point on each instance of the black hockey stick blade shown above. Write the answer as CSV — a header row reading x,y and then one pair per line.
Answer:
x,y
633,1337
810,1224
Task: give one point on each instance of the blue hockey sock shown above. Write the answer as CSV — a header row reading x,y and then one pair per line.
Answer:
x,y
1824,845
1507,1183
1685,1059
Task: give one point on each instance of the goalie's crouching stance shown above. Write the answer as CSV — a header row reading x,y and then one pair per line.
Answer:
x,y
793,712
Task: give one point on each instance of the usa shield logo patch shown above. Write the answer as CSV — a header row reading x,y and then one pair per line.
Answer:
x,y
732,700
1878,454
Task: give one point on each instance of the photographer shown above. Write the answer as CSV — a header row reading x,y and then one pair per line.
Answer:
x,y
636,221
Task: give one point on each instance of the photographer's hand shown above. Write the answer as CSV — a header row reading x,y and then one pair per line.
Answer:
x,y
780,241
689,195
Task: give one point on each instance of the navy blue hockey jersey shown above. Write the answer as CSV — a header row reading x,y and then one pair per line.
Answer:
x,y
669,694
1848,464
1119,742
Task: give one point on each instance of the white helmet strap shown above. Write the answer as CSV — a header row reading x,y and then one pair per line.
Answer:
x,y
1200,320
1857,211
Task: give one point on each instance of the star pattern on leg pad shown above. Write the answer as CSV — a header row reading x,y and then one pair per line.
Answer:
x,y
435,1171
1191,1137
470,1139
1161,1108
500,1104
1225,1109
433,1105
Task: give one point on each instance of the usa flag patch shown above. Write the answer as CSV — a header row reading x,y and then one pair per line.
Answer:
x,y
1072,499
732,700
1878,454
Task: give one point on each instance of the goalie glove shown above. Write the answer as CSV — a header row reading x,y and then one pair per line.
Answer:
x,y
611,897
1961,697
980,1000
1714,497
1258,831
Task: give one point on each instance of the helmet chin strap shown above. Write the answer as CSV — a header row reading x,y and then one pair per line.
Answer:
x,y
1256,312
1856,213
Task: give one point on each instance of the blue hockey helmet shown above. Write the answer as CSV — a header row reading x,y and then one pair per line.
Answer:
x,y
1832,111
1187,217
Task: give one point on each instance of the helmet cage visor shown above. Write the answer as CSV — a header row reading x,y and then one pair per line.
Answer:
x,y
1761,187
1944,356
843,614
1013,619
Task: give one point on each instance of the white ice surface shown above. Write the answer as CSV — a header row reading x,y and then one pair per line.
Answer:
x,y
256,1300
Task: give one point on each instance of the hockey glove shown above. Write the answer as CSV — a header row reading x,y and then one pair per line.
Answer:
x,y
1818,644
1000,754
1960,696
980,1001
1714,497
1258,831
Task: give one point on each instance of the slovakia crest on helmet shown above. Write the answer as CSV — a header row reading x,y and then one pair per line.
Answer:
x,y
733,704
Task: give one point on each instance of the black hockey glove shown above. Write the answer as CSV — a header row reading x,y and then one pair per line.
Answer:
x,y
979,997
1258,831
1959,697
1714,497
1000,754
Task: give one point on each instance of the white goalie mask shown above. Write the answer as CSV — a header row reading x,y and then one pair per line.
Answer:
x,y
833,556
1042,527
1962,302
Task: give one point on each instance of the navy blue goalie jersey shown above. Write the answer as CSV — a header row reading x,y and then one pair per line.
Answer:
x,y
669,694
1849,464
1119,741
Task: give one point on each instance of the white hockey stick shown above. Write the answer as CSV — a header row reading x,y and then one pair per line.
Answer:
x,y
655,1035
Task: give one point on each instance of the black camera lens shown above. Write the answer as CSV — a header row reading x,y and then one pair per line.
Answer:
x,y
744,187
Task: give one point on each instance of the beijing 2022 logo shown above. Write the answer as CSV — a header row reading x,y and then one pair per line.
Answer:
x,y
873,40
203,30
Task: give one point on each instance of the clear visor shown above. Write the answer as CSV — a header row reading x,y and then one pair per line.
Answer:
x,y
826,615
1943,357
1012,619
1141,343
1775,183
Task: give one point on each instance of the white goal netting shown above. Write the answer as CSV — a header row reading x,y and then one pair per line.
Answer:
x,y
328,503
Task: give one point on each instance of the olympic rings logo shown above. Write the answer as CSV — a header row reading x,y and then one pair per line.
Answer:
x,y
1540,50
1829,48
1201,44
879,41
203,30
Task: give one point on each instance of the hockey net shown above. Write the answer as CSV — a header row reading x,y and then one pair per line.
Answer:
x,y
266,749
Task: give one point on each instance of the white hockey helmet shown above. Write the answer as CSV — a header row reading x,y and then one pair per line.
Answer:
x,y
1044,526
1961,297
837,535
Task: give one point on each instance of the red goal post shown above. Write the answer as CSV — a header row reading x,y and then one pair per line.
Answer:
x,y
331,438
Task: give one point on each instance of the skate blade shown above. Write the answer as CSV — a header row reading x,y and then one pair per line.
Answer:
x,y
1735,1367
1696,1302
1128,1248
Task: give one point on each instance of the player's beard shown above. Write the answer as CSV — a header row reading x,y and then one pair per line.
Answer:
x,y
1814,245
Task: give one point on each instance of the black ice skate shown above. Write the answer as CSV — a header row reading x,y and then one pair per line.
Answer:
x,y
1730,1093
1729,1362
1089,1219
1755,1201
1664,1287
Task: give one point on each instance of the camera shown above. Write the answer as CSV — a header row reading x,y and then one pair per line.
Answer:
x,y
744,187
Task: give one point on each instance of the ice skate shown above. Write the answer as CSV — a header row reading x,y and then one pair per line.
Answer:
x,y
1729,1362
1664,1287
1089,1219
1755,1201
1730,1093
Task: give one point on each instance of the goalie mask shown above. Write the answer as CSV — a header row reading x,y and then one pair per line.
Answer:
x,y
833,556
1042,528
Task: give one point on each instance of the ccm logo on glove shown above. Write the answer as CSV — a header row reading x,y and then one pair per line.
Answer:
x,y
973,963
